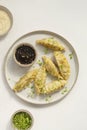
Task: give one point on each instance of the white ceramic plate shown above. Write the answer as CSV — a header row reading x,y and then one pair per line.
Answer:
x,y
13,72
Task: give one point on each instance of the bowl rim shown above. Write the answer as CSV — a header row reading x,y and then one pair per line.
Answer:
x,y
18,111
17,62
6,10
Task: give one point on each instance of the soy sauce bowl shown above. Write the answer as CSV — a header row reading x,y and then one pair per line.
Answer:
x,y
24,54
22,119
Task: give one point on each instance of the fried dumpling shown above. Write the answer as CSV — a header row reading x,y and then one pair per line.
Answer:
x,y
50,67
54,86
51,43
40,80
63,64
25,80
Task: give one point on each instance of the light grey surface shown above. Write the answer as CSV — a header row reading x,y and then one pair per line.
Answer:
x,y
69,19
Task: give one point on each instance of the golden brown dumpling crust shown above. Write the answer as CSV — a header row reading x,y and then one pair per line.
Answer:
x,y
54,86
63,64
40,79
50,67
25,80
51,43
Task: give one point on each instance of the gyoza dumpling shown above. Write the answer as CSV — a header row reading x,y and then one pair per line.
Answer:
x,y
63,64
25,80
54,86
51,43
50,67
40,79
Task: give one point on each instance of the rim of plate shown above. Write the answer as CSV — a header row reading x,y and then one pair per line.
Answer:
x,y
55,35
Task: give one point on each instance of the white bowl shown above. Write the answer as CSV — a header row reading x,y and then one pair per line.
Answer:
x,y
18,111
10,17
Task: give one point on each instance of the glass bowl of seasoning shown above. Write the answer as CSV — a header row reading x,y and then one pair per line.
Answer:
x,y
24,54
22,120
6,21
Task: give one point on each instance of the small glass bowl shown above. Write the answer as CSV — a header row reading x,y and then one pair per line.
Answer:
x,y
24,55
18,112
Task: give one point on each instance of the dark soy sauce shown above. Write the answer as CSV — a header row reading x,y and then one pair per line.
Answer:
x,y
25,54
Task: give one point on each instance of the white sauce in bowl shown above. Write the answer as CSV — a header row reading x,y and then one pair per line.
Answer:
x,y
5,22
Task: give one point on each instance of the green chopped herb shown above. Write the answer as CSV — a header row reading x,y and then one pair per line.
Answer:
x,y
48,98
22,120
32,94
64,90
46,50
31,86
39,62
71,56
